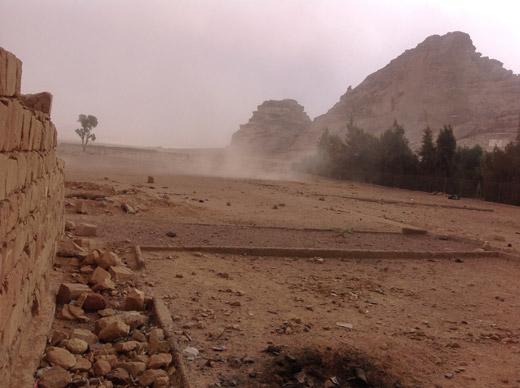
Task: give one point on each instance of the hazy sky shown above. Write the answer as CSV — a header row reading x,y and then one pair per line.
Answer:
x,y
187,73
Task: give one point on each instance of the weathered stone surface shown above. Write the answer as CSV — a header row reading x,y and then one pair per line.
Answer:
x,y
274,127
60,357
86,230
159,360
10,74
91,258
121,273
71,291
75,345
161,382
107,260
54,378
101,367
85,335
57,337
134,300
114,331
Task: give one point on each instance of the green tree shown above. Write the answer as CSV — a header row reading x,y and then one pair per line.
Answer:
x,y
395,155
361,153
427,153
446,150
468,161
88,123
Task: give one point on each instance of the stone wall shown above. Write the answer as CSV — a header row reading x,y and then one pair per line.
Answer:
x,y
31,206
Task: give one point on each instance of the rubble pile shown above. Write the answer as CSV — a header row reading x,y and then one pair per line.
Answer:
x,y
103,335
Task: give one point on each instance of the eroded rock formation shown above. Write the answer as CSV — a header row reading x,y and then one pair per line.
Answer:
x,y
274,127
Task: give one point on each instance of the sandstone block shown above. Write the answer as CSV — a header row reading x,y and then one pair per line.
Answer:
x,y
99,276
127,346
69,225
86,230
71,291
60,357
114,331
121,273
10,74
41,102
81,206
68,248
134,319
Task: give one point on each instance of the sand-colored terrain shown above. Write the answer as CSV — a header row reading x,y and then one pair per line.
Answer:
x,y
414,322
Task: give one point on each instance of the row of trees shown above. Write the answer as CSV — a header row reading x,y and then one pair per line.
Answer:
x,y
364,157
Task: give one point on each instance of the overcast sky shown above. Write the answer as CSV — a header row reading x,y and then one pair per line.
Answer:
x,y
187,73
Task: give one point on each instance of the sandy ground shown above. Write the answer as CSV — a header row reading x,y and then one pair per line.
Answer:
x,y
415,323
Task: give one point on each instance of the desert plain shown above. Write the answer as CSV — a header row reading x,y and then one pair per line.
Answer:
x,y
323,287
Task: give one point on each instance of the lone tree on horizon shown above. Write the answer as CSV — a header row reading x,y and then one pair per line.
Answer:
x,y
88,123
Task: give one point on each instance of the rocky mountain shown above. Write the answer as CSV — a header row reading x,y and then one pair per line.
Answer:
x,y
273,128
441,81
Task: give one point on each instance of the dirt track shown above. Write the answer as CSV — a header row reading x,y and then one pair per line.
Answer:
x,y
417,320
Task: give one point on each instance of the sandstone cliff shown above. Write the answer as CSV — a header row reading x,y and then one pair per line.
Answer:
x,y
274,127
441,81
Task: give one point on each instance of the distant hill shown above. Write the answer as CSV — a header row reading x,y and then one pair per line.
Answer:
x,y
441,81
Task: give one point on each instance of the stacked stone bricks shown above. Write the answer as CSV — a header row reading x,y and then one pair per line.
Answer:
x,y
31,206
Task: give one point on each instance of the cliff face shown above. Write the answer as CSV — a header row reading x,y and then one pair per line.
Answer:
x,y
273,128
441,81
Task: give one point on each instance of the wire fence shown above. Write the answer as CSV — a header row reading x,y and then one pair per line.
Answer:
x,y
501,192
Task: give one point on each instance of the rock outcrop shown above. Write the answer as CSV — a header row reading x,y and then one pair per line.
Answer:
x,y
441,81
273,128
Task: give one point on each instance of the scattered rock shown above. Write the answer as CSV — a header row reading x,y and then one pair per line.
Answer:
x,y
85,335
127,346
151,179
101,367
190,352
159,360
86,230
121,273
149,377
107,260
70,226
68,248
114,331
81,206
75,345
93,302
119,376
127,208
171,234
82,365
134,368
60,357
71,291
345,325
54,378
100,276
134,300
